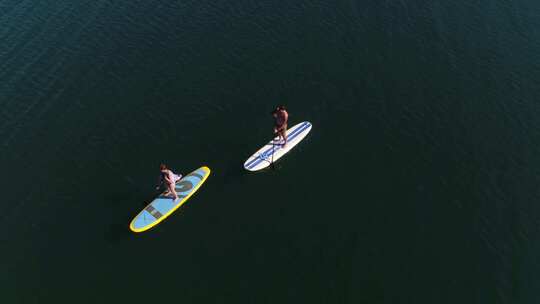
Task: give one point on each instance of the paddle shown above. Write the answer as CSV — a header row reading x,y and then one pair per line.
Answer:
x,y
272,161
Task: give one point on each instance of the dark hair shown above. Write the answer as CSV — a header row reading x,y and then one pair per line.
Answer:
x,y
162,167
277,109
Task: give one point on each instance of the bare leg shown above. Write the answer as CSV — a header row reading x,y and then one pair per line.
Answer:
x,y
283,135
173,191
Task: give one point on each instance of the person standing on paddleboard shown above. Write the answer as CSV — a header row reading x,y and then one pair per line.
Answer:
x,y
169,178
280,123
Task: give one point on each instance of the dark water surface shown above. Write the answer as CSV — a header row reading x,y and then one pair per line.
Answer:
x,y
418,183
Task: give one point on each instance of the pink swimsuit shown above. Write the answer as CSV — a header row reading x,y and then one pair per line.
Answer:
x,y
172,177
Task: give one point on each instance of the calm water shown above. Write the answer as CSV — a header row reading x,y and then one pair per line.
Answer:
x,y
418,184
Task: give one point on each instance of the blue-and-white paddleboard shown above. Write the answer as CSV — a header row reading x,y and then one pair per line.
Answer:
x,y
163,206
273,150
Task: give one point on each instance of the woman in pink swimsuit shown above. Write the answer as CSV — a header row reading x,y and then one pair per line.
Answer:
x,y
170,179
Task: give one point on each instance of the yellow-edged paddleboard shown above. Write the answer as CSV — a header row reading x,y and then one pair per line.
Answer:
x,y
163,206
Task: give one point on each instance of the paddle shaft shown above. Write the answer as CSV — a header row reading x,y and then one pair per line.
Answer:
x,y
273,146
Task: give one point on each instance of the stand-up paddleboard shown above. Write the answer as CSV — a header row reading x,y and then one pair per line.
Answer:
x,y
163,206
274,150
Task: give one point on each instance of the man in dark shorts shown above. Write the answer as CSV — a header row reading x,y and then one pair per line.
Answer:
x,y
280,123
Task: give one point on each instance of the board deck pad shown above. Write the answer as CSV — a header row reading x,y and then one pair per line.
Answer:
x,y
274,150
164,205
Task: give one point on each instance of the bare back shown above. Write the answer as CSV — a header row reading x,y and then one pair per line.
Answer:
x,y
281,118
